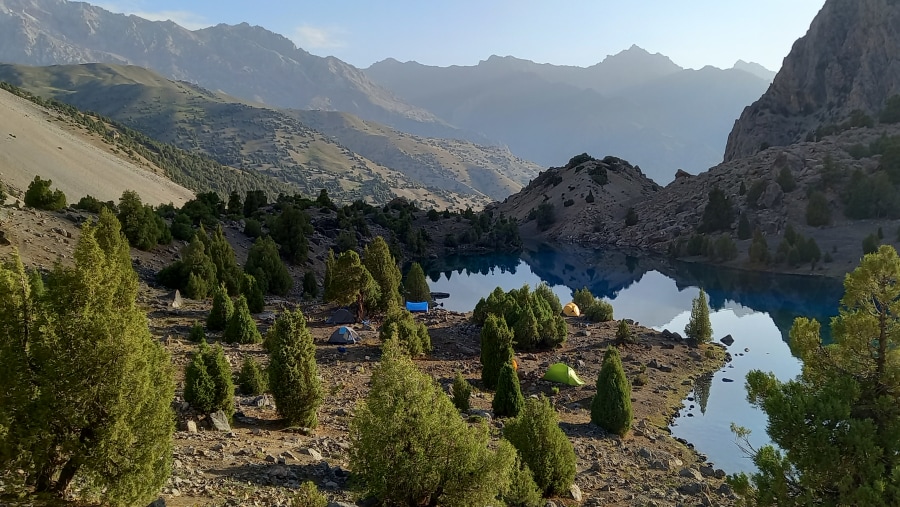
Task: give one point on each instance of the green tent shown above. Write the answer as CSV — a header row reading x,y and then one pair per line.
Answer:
x,y
564,374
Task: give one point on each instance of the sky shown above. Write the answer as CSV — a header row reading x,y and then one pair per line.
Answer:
x,y
693,33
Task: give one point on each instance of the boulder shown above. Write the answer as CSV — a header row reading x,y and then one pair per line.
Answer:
x,y
219,421
727,340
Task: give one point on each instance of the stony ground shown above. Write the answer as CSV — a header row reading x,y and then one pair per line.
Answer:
x,y
260,462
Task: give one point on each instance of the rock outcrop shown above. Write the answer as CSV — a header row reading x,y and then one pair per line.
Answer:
x,y
846,62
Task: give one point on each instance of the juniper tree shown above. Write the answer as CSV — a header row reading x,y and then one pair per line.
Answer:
x,y
543,446
327,286
222,310
253,379
293,374
508,400
462,391
698,327
86,389
415,286
352,283
842,409
241,327
310,286
250,289
381,265
611,405
410,447
266,266
496,349
227,269
194,274
197,334
412,336
208,386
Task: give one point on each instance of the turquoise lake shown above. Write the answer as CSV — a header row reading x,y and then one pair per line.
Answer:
x,y
757,310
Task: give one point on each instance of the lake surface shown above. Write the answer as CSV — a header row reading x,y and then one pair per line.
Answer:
x,y
757,310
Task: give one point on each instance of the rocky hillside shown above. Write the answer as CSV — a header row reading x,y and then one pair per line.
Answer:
x,y
37,142
845,63
575,201
242,60
351,158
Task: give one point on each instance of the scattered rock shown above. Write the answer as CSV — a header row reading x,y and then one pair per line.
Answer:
x,y
219,421
314,454
727,340
575,492
191,426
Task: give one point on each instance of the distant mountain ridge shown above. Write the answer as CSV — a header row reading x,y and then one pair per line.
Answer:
x,y
634,104
241,60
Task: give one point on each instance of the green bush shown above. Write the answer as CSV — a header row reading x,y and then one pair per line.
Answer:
x,y
308,495
786,180
496,349
293,373
529,314
266,266
382,266
415,286
631,217
718,214
92,204
624,336
310,286
250,289
543,446
545,214
522,492
870,244
40,196
698,327
817,211
252,379
252,228
508,400
611,406
744,231
583,298
197,334
413,337
725,249
450,463
182,227
241,327
759,248
599,311
143,227
208,385
222,310
462,391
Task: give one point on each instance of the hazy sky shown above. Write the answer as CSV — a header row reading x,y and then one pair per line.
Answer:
x,y
693,33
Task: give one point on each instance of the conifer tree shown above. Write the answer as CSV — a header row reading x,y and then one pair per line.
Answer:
x,y
842,408
227,269
197,333
698,327
623,334
253,379
744,231
462,391
310,286
266,266
451,462
378,260
508,400
250,289
496,349
611,406
543,446
241,327
208,386
415,285
86,389
222,310
526,331
352,283
293,374
327,286
399,324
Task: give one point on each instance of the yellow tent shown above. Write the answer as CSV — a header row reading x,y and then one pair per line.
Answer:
x,y
571,310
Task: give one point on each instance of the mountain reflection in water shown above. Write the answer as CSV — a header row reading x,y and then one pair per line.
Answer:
x,y
757,309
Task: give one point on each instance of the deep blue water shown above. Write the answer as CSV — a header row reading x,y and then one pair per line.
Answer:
x,y
756,309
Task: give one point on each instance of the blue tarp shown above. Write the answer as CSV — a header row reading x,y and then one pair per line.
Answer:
x,y
417,306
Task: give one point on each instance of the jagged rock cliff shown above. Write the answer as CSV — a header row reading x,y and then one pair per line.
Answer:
x,y
847,61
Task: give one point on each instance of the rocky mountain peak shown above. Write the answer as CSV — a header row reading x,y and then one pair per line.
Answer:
x,y
846,62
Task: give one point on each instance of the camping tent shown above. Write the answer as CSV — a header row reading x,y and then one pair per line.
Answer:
x,y
342,316
564,374
417,306
571,310
344,335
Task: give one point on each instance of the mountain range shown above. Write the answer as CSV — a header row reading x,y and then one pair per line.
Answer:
x,y
636,105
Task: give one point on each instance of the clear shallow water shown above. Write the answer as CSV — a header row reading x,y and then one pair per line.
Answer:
x,y
756,309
